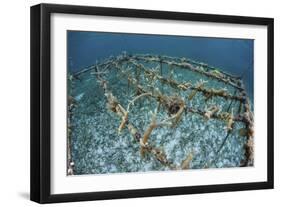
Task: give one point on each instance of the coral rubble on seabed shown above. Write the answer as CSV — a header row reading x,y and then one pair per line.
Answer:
x,y
137,113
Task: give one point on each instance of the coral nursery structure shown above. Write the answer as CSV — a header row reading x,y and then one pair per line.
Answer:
x,y
142,112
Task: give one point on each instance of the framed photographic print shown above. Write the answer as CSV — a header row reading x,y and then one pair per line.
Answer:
x,y
132,103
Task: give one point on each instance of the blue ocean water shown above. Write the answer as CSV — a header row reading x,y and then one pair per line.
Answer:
x,y
97,148
232,55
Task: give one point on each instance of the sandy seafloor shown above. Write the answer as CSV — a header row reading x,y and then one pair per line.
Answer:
x,y
97,148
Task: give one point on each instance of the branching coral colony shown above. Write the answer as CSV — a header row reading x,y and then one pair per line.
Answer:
x,y
149,76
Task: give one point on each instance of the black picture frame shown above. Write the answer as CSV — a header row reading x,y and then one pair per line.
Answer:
x,y
41,98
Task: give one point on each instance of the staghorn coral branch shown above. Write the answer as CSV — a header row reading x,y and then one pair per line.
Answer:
x,y
199,85
123,122
153,124
230,122
186,162
174,118
125,113
210,112
149,130
136,98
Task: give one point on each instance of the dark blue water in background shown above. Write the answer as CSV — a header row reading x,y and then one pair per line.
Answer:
x,y
232,55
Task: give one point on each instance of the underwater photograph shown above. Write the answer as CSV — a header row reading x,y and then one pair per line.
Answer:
x,y
147,102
